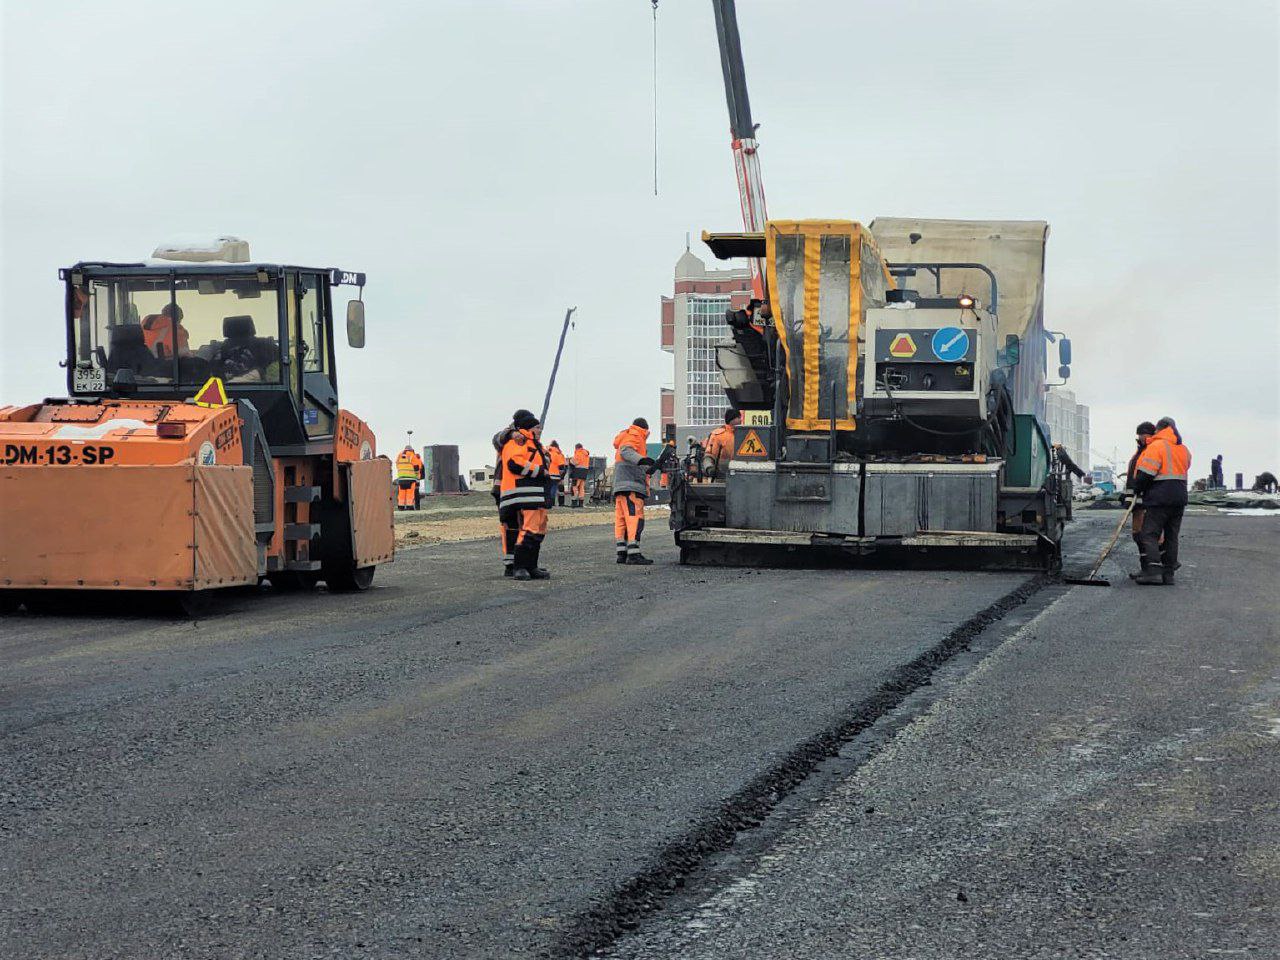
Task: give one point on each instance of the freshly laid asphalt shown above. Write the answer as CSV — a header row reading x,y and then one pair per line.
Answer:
x,y
456,765
1105,784
450,765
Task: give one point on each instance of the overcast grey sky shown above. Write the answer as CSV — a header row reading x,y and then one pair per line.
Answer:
x,y
489,163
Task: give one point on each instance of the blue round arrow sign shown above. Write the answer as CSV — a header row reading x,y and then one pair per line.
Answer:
x,y
950,344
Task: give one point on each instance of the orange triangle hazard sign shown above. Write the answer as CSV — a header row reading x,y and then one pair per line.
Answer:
x,y
751,446
212,394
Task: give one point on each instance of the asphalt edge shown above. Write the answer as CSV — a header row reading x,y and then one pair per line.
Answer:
x,y
644,893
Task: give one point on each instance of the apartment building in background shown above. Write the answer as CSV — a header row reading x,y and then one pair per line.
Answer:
x,y
692,325
1068,423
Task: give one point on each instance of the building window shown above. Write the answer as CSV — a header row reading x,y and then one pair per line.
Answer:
x,y
705,401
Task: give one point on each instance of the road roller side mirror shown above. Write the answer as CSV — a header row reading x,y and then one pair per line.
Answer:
x,y
355,323
1064,352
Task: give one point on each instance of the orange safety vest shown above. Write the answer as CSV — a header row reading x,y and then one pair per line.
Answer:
x,y
157,331
719,444
408,465
582,457
557,462
1164,458
637,438
524,481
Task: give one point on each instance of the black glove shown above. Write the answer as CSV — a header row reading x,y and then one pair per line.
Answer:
x,y
645,461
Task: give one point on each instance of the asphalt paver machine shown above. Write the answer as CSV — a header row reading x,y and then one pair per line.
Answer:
x,y
898,375
201,445
905,398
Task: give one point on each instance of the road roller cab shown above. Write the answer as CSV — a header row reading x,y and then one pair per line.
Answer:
x,y
201,444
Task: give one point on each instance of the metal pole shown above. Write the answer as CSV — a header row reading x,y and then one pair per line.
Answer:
x,y
555,366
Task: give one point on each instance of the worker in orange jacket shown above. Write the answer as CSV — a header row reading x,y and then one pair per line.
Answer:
x,y
157,332
409,470
556,463
582,463
1161,480
522,496
717,450
630,486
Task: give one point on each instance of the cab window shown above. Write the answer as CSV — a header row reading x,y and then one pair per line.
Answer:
x,y
313,348
228,328
108,317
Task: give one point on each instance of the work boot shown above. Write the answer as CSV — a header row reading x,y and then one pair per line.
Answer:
x,y
638,560
622,557
521,574
508,570
535,571
1150,576
1167,577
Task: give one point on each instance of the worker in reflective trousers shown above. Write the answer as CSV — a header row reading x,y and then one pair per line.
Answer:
x,y
582,463
522,497
556,462
1161,480
409,470
717,451
630,486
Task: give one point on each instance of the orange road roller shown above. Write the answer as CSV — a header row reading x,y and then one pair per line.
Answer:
x,y
201,445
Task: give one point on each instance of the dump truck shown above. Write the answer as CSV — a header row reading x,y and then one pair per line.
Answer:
x,y
903,368
201,445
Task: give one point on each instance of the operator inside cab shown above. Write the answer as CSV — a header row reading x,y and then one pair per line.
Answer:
x,y
157,332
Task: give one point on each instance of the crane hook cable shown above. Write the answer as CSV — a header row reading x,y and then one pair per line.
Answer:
x,y
655,97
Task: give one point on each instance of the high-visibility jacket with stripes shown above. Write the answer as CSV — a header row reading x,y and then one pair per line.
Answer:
x,y
524,473
582,457
629,448
1161,472
408,465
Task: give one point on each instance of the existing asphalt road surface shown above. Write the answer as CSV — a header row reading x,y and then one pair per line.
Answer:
x,y
457,765
1106,784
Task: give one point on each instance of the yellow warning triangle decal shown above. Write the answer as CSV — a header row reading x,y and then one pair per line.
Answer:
x,y
212,394
751,446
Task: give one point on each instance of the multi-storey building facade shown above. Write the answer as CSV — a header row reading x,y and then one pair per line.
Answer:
x,y
1068,423
692,325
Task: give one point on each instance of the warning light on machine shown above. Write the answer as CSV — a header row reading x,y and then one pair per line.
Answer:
x,y
966,303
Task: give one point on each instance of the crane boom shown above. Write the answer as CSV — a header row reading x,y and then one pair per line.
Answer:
x,y
746,156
